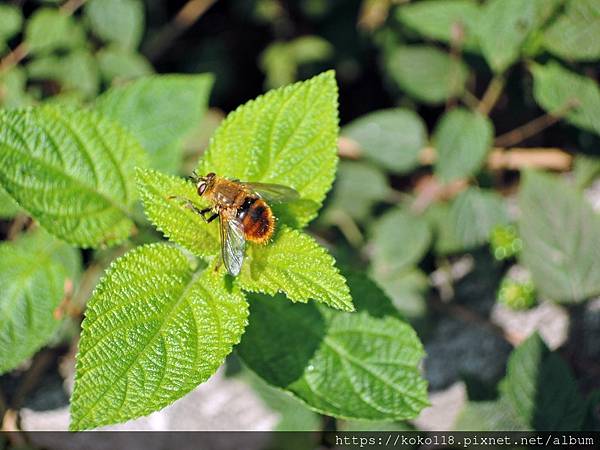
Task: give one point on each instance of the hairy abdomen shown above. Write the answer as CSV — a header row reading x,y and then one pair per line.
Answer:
x,y
257,219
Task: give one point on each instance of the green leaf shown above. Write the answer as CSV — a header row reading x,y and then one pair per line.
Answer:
x,y
358,187
117,21
475,213
426,73
293,263
437,19
49,29
11,20
556,88
287,136
561,239
406,290
177,222
71,170
119,64
76,71
463,139
33,272
585,170
573,35
280,60
160,111
446,239
343,365
153,331
392,138
489,416
540,388
399,240
13,84
504,25
8,207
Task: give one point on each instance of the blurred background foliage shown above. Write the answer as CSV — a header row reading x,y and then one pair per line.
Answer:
x,y
453,115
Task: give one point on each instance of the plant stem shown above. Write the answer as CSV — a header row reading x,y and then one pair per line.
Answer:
x,y
535,126
185,18
491,95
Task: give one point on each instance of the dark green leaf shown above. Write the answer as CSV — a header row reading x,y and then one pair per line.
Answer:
x,y
540,388
463,139
475,213
561,239
118,21
119,64
11,20
443,19
426,73
72,170
50,29
33,272
561,91
574,34
399,240
160,111
392,138
357,188
345,365
504,25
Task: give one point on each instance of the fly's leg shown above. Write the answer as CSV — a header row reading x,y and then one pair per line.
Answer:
x,y
188,204
211,218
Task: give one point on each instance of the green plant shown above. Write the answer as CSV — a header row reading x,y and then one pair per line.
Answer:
x,y
162,321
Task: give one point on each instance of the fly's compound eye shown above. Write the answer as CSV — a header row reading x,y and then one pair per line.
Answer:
x,y
201,188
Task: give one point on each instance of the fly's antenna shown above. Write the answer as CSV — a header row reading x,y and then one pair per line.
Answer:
x,y
194,176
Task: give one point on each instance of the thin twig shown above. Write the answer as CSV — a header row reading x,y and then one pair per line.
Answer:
x,y
185,18
491,95
534,127
516,158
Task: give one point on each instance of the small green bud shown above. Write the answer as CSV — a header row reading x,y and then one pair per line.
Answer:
x,y
517,295
505,242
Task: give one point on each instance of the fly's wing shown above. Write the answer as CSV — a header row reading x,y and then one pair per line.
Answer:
x,y
273,193
233,243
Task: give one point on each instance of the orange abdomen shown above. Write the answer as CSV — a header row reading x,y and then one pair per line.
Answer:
x,y
257,219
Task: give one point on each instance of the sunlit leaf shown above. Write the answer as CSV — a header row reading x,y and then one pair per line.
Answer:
x,y
288,136
153,331
293,263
